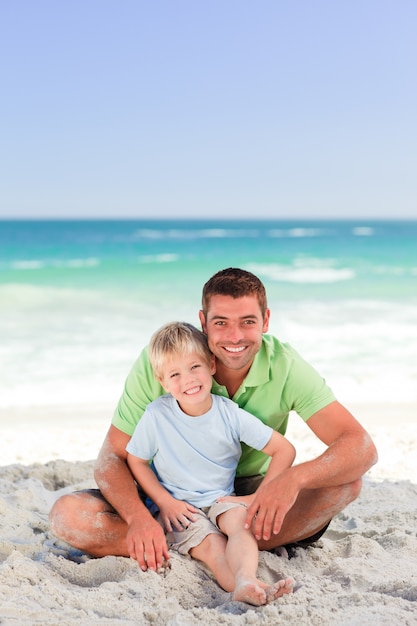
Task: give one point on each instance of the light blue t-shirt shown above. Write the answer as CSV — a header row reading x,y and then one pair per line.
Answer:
x,y
195,458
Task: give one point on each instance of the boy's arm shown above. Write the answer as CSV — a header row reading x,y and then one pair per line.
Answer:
x,y
282,454
175,513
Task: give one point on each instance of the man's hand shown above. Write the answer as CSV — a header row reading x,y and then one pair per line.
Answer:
x,y
271,504
146,543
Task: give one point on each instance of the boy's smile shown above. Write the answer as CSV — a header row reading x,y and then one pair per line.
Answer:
x,y
188,379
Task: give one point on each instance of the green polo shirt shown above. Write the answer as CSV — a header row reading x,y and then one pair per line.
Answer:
x,y
279,381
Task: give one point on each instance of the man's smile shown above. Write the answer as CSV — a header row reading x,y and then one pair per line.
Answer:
x,y
234,349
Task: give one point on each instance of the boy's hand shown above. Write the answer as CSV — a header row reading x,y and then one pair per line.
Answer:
x,y
177,514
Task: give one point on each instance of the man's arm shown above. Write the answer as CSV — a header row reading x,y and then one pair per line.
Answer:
x,y
350,453
115,481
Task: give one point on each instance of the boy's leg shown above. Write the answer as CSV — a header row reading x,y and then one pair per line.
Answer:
x,y
212,552
204,542
242,558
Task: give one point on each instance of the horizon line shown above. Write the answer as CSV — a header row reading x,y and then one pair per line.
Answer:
x,y
207,218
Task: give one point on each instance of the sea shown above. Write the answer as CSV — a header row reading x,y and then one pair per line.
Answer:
x,y
79,299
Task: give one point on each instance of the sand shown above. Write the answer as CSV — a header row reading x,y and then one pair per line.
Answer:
x,y
362,572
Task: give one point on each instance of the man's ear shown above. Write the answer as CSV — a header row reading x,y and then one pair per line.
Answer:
x,y
266,321
203,321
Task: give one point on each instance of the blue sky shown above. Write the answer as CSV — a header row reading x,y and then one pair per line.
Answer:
x,y
295,108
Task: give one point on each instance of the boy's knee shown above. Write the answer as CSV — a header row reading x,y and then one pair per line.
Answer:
x,y
210,547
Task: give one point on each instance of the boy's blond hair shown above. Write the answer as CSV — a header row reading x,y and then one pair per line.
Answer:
x,y
176,339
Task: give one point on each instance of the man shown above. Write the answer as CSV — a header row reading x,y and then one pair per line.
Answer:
x,y
268,379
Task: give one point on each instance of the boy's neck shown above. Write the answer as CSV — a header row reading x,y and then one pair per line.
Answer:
x,y
198,409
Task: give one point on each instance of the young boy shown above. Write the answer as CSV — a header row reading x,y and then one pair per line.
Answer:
x,y
193,439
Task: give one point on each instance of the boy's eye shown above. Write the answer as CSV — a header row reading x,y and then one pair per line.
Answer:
x,y
173,374
193,367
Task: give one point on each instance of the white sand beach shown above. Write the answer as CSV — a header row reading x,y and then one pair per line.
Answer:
x,y
362,572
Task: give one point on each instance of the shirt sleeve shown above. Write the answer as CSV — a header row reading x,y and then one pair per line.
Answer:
x,y
305,391
253,432
141,388
143,441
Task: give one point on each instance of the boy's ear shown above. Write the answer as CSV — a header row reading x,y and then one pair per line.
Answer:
x,y
160,381
213,365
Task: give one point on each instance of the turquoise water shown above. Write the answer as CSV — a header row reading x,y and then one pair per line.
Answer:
x,y
78,299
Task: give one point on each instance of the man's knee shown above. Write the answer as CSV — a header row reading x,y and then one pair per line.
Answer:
x,y
61,515
354,488
343,495
68,514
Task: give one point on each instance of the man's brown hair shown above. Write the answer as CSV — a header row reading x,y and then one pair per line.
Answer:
x,y
236,283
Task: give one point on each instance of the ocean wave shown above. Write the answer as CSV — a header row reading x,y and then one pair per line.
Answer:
x,y
20,297
27,265
204,233
159,258
296,232
302,273
40,264
363,231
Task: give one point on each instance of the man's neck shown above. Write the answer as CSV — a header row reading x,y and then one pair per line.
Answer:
x,y
231,379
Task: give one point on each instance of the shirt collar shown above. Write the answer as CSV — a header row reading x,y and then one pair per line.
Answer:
x,y
259,370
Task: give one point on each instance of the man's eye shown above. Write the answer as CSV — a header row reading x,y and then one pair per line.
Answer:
x,y
219,323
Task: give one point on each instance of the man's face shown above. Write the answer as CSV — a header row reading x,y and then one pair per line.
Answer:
x,y
234,328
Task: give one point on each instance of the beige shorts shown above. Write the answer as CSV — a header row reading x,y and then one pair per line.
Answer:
x,y
182,541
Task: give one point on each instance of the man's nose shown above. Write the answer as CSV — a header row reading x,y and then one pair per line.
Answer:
x,y
234,334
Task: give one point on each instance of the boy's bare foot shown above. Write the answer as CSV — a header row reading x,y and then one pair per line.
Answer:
x,y
279,589
249,591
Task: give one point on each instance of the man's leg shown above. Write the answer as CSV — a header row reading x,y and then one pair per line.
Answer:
x,y
86,521
311,513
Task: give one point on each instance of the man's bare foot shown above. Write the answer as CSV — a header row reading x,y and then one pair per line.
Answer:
x,y
249,591
279,589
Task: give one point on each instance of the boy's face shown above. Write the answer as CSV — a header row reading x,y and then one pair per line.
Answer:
x,y
188,379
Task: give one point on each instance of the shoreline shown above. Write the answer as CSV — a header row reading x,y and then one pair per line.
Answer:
x,y
75,433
